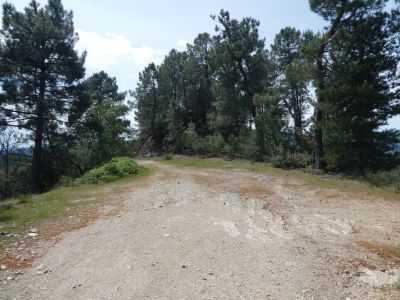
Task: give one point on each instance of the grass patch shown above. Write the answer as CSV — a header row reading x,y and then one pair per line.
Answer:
x,y
397,284
23,212
386,179
249,190
384,251
353,186
200,163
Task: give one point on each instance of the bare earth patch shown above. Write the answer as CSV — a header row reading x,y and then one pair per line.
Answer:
x,y
222,234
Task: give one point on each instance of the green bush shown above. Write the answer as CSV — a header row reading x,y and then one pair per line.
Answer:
x,y
168,156
292,161
66,181
212,145
116,168
244,145
388,179
215,144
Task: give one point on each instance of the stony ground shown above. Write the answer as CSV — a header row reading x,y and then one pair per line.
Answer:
x,y
224,234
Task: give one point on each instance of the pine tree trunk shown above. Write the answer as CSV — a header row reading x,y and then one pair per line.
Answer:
x,y
318,142
39,131
37,151
7,171
319,146
260,143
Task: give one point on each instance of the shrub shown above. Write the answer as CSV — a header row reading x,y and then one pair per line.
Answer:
x,y
116,168
292,161
66,181
389,179
168,156
244,145
212,145
215,144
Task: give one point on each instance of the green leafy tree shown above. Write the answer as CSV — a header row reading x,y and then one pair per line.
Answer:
x,y
97,124
39,70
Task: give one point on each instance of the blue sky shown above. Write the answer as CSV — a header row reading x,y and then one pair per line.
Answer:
x,y
123,36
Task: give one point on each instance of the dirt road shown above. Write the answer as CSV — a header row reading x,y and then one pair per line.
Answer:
x,y
225,234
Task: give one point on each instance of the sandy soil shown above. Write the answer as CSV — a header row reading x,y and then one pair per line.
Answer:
x,y
224,234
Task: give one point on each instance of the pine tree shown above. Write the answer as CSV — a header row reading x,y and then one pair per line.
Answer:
x,y
294,77
97,122
240,63
361,91
39,68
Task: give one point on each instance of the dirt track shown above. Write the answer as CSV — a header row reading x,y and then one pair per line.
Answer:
x,y
224,234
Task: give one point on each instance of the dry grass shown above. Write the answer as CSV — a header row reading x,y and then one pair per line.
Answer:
x,y
251,190
353,187
391,252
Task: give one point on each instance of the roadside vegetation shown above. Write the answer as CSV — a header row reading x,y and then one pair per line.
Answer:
x,y
386,179
352,184
20,213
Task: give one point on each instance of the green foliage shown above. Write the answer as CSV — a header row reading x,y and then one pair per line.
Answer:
x,y
292,86
168,156
292,161
386,179
25,211
244,145
212,145
117,168
99,122
359,98
40,70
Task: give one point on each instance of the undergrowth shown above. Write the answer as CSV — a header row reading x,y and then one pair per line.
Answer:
x,y
24,211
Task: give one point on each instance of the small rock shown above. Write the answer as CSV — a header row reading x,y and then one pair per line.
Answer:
x,y
39,273
10,278
167,235
32,234
3,267
39,267
34,230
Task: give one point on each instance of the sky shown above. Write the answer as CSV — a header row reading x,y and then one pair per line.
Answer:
x,y
121,37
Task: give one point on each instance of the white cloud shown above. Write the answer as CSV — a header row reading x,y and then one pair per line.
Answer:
x,y
182,43
109,50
